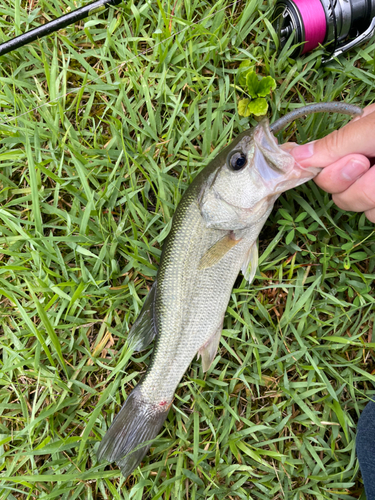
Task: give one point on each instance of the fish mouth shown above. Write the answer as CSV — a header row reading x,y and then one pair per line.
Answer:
x,y
277,167
272,169
271,161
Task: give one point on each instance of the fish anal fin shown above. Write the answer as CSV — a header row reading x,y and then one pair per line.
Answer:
x,y
144,329
250,264
218,250
209,349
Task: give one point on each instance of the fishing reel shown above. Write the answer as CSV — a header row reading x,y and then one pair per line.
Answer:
x,y
338,25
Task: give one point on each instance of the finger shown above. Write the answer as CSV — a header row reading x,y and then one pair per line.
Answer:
x,y
360,196
366,111
355,137
339,176
370,214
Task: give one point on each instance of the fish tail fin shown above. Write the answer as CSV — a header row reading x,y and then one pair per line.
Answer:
x,y
138,422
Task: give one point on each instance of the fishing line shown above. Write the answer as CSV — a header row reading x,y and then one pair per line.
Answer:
x,y
315,23
146,51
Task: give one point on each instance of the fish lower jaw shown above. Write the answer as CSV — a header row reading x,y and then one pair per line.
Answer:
x,y
310,171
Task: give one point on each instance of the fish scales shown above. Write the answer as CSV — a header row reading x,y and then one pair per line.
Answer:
x,y
187,319
213,236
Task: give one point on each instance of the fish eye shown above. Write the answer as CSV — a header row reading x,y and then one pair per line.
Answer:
x,y
237,160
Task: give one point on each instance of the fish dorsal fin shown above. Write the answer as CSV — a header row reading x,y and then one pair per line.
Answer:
x,y
209,349
144,329
218,250
250,264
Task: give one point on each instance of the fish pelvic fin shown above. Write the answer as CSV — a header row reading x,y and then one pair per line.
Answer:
x,y
131,434
209,349
218,250
144,329
250,264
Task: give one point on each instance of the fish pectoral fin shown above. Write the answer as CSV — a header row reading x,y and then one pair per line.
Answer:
x,y
209,349
144,329
250,264
218,250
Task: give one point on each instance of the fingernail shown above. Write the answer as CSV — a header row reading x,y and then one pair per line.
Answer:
x,y
353,169
303,152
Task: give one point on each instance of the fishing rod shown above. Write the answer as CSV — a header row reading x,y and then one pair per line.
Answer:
x,y
108,72
56,24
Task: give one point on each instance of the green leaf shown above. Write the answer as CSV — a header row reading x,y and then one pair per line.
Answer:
x,y
112,387
341,416
243,107
285,214
252,83
347,262
359,255
289,237
310,210
301,216
246,64
255,455
265,86
258,107
193,477
244,68
347,246
49,328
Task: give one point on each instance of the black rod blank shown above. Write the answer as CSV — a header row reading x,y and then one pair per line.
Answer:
x,y
55,24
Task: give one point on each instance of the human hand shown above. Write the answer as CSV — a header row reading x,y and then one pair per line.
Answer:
x,y
345,156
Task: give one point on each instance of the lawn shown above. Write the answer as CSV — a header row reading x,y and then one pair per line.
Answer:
x,y
102,128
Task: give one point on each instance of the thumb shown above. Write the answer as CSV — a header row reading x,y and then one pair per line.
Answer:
x,y
358,136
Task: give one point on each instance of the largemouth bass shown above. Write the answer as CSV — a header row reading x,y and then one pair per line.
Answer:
x,y
213,236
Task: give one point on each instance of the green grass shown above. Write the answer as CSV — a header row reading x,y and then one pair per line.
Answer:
x,y
102,127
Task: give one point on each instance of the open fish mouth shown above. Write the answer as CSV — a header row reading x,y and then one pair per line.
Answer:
x,y
268,171
277,167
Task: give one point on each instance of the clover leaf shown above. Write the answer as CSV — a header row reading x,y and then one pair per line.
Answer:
x,y
266,84
258,107
243,70
243,107
252,83
257,88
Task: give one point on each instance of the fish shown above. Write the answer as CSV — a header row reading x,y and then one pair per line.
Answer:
x,y
213,237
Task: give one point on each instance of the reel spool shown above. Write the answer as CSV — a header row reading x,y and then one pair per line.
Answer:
x,y
338,25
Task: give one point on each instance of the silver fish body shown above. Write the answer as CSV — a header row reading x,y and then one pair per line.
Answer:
x,y
213,236
194,282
